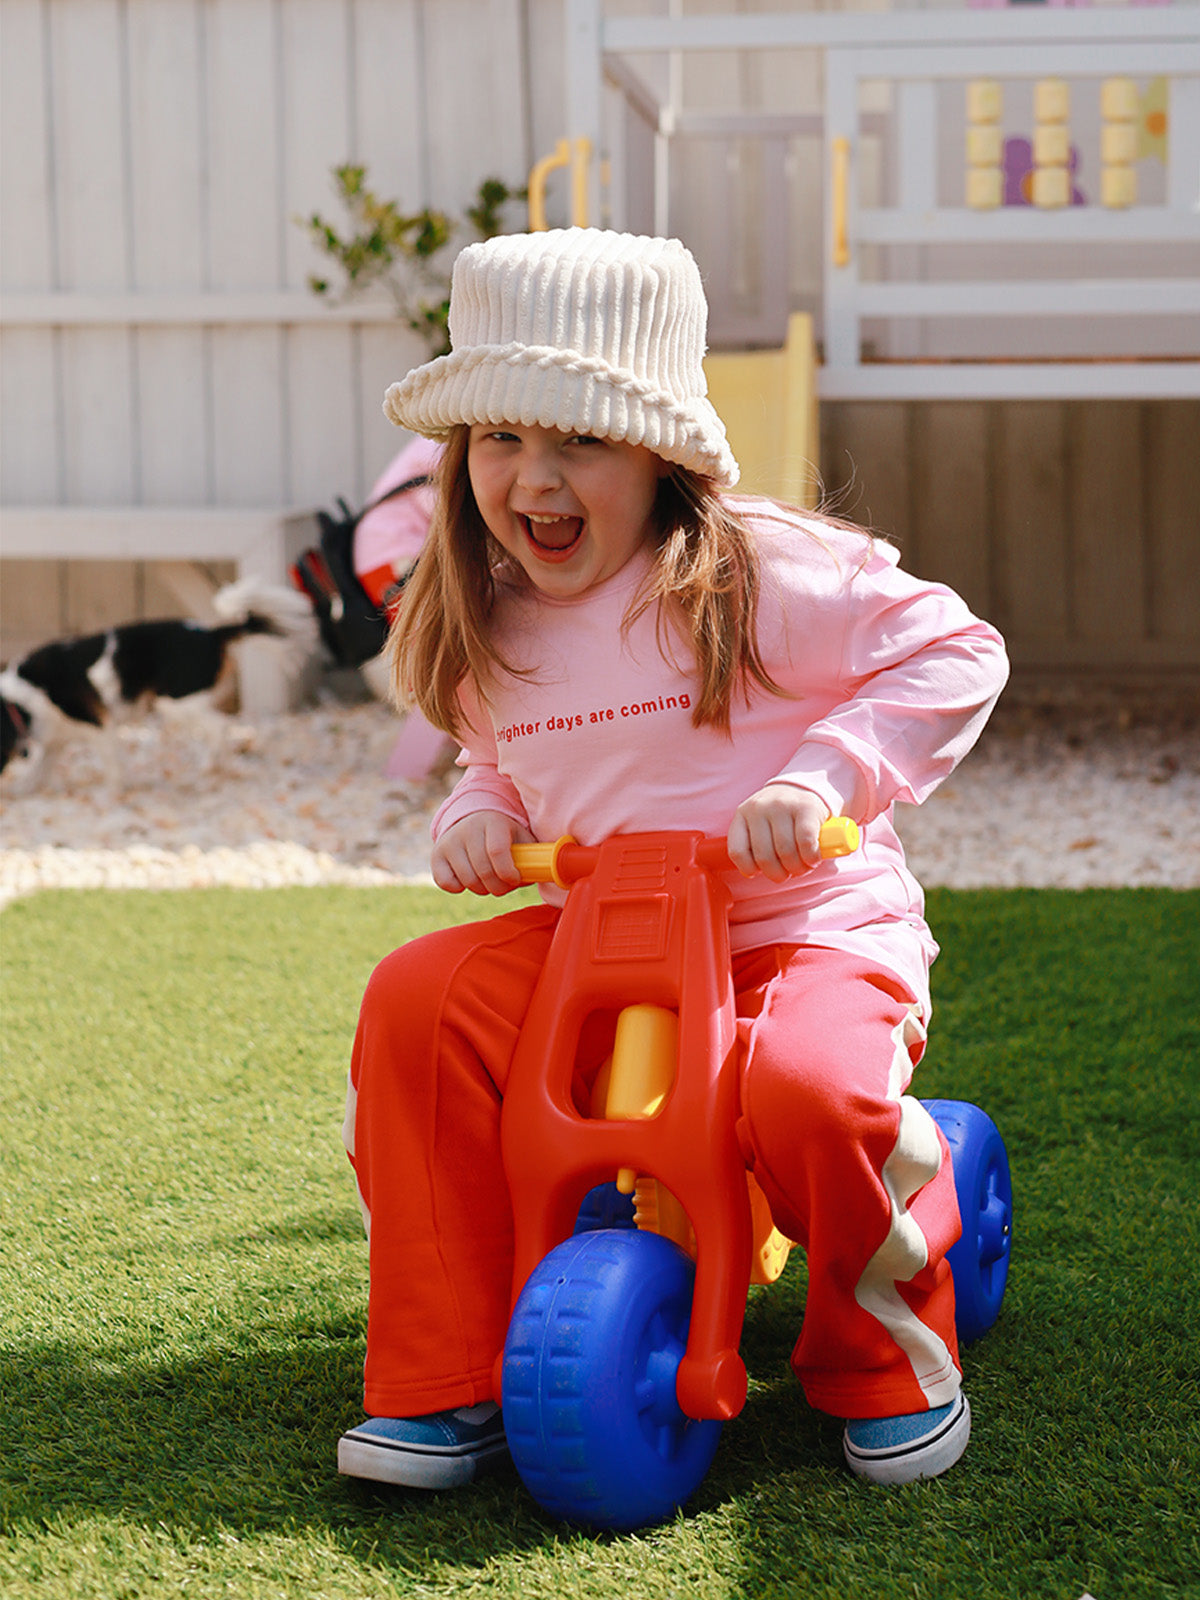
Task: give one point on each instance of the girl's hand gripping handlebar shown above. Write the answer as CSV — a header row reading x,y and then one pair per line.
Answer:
x,y
564,861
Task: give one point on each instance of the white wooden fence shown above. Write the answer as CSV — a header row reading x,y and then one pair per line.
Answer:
x,y
159,344
849,190
159,347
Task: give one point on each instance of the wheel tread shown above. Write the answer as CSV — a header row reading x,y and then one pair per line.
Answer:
x,y
550,1404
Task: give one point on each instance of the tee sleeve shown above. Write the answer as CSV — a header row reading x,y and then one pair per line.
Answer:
x,y
483,787
920,675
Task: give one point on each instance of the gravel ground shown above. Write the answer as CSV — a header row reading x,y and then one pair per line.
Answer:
x,y
1063,790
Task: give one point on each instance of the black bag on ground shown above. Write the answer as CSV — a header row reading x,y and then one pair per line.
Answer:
x,y
353,628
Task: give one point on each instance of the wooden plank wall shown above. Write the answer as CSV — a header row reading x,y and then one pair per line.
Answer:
x,y
1074,526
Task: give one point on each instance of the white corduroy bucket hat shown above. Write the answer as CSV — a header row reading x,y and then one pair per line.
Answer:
x,y
581,329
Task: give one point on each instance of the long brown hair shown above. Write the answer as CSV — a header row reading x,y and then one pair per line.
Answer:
x,y
705,585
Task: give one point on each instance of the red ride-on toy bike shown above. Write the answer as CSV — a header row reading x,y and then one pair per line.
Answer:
x,y
621,1361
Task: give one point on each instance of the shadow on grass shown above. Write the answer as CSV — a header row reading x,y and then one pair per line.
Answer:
x,y
243,1441
235,1441
344,1228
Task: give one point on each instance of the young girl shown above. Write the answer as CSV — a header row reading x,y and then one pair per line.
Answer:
x,y
619,645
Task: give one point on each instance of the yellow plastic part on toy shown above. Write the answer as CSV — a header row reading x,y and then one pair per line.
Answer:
x,y
643,1069
771,1248
839,837
656,1210
538,863
632,1084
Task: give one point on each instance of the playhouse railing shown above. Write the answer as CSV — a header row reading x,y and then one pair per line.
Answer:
x,y
1010,197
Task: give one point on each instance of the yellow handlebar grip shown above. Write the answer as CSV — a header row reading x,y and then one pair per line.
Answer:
x,y
538,863
839,837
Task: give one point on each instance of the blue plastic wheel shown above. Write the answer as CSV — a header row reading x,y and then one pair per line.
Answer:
x,y
590,1409
979,1261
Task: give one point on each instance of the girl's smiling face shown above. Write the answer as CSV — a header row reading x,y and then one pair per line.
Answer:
x,y
572,509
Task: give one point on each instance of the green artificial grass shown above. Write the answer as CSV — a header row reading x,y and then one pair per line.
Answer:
x,y
184,1280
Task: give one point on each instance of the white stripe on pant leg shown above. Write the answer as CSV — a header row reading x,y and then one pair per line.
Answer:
x,y
348,1141
915,1159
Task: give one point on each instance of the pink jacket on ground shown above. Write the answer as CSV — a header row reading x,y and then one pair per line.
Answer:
x,y
887,680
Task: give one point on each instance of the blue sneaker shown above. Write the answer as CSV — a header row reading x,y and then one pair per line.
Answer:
x,y
440,1451
903,1449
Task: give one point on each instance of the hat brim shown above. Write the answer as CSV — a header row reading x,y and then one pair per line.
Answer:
x,y
540,385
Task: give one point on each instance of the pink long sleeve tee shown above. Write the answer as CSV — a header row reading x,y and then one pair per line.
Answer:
x,y
887,683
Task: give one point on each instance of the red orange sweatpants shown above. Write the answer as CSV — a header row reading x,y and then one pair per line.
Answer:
x,y
855,1170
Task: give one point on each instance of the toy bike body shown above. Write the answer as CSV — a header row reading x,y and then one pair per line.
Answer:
x,y
621,1362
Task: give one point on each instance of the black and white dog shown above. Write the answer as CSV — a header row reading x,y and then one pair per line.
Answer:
x,y
73,687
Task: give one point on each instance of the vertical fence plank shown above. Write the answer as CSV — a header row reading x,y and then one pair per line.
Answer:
x,y
475,97
100,593
30,607
952,498
316,74
244,226
866,461
250,396
387,134
1107,572
389,125
315,118
32,470
1033,526
545,43
390,91
1172,526
27,254
99,407
243,221
31,463
166,151
385,354
176,428
90,150
322,403
91,167
168,164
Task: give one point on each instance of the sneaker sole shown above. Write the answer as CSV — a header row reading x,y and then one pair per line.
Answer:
x,y
924,1458
380,1462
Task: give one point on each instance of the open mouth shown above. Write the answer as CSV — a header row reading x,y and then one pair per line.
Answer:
x,y
553,537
